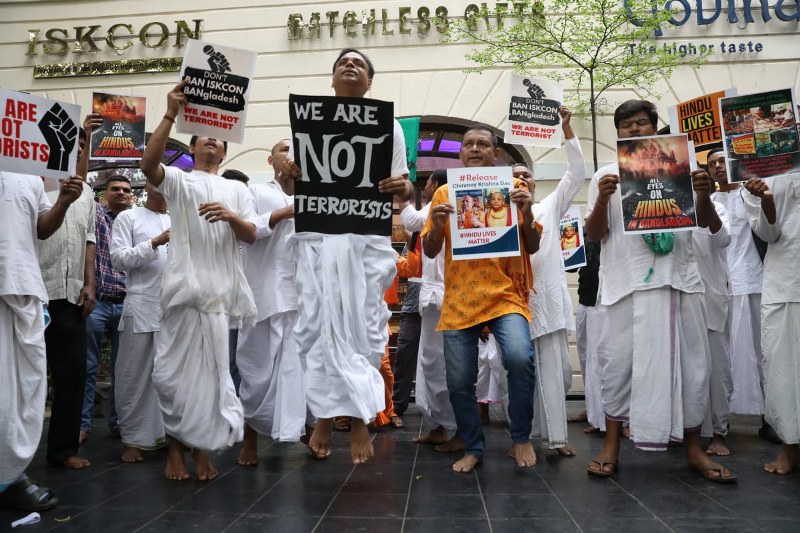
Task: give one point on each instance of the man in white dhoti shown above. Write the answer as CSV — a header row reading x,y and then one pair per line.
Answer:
x,y
203,290
747,272
773,209
139,248
350,272
431,394
272,382
653,349
26,216
550,302
710,249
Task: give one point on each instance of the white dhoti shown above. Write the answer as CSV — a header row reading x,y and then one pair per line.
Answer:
x,y
720,383
341,326
780,327
553,380
190,373
140,420
431,394
488,387
654,356
746,355
589,325
272,388
23,383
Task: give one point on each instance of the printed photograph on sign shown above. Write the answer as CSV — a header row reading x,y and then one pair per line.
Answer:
x,y
656,184
217,91
484,223
39,136
533,117
760,134
699,118
122,133
573,251
344,147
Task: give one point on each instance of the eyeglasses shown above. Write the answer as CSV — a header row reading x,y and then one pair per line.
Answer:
x,y
639,122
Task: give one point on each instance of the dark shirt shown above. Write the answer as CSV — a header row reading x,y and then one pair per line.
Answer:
x,y
589,275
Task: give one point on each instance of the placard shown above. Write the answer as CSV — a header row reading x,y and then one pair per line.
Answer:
x,y
573,250
533,117
699,118
122,133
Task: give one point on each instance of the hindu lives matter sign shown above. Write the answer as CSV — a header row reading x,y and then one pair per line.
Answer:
x,y
533,117
217,92
344,147
656,184
699,118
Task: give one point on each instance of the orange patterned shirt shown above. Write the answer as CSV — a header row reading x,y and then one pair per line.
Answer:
x,y
477,290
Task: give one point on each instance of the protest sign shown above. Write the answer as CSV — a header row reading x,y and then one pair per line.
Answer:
x,y
344,147
760,134
121,135
484,223
656,184
38,136
699,118
410,127
533,117
573,250
217,92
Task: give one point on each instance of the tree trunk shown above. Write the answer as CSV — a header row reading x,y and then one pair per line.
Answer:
x,y
593,111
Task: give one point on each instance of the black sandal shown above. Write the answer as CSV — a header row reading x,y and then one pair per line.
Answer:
x,y
27,496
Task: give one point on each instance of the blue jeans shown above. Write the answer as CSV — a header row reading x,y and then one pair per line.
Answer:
x,y
461,362
103,319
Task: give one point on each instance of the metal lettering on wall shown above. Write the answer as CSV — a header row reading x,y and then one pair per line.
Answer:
x,y
105,68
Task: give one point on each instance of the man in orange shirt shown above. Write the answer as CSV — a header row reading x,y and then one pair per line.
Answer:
x,y
486,292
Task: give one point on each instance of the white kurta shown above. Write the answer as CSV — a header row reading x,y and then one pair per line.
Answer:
x,y
272,388
140,421
780,312
203,290
747,272
341,325
551,306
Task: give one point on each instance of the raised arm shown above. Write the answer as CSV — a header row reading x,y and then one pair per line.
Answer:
x,y
154,151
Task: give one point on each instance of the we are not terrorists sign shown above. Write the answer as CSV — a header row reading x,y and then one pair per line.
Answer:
x,y
344,148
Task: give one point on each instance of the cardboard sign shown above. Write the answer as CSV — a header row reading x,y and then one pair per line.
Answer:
x,y
699,118
344,147
656,183
761,135
573,250
38,136
217,92
533,117
122,133
484,223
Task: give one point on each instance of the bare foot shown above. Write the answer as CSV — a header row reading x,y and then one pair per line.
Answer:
x,y
466,464
176,462
360,443
580,417
717,446
305,438
76,463
320,441
626,432
248,455
396,422
785,462
203,468
591,429
483,411
83,436
456,444
434,436
566,451
131,455
523,454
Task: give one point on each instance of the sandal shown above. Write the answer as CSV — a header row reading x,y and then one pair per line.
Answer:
x,y
705,472
27,496
342,423
601,472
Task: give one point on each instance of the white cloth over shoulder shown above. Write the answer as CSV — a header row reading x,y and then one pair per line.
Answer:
x,y
744,263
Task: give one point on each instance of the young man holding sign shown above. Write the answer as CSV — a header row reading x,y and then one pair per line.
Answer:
x,y
341,278
500,287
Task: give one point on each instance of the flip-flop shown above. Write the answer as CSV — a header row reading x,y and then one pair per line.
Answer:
x,y
705,473
27,496
601,472
341,424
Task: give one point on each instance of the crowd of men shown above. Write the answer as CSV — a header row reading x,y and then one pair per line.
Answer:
x,y
675,330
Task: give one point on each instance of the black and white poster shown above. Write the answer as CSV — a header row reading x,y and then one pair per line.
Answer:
x,y
344,148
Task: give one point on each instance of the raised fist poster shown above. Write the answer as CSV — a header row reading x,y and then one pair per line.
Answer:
x,y
656,184
344,147
484,223
761,135
217,92
121,135
533,117
38,136
699,118
573,251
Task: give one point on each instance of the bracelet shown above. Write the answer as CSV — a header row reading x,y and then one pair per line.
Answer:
x,y
167,117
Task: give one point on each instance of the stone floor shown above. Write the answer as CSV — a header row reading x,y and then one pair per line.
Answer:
x,y
411,488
